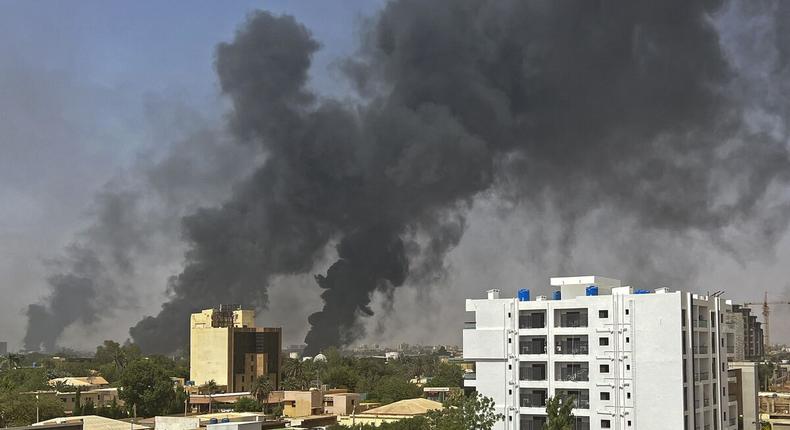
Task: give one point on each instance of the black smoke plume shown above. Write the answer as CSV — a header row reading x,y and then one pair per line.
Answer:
x,y
617,104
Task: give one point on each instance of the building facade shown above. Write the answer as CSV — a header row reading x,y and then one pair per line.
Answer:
x,y
226,347
744,388
630,359
746,334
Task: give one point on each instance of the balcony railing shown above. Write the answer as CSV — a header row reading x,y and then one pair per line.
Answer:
x,y
531,400
571,347
470,375
532,348
470,325
700,323
527,320
532,373
701,349
572,321
574,375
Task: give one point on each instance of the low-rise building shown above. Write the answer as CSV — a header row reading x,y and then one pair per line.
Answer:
x,y
392,412
743,387
100,398
341,402
94,422
82,382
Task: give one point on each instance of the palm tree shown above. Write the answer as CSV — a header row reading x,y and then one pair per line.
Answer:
x,y
210,387
293,368
11,361
560,413
261,388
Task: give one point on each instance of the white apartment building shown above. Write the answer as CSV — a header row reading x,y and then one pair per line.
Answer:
x,y
632,359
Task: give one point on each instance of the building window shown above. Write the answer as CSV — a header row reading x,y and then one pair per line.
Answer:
x,y
627,311
603,341
627,339
627,395
604,395
627,367
604,368
603,314
606,424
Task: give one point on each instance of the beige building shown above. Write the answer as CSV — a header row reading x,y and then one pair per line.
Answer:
x,y
89,382
99,397
397,411
341,402
226,347
94,422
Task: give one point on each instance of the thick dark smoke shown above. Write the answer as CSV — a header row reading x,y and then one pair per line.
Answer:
x,y
134,225
623,105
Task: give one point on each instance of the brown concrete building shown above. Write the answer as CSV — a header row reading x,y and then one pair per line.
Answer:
x,y
226,347
745,337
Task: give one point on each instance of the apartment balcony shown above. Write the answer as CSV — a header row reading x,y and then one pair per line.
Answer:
x,y
530,422
529,398
574,372
570,318
531,319
470,325
529,345
701,323
572,346
532,372
701,349
581,398
702,376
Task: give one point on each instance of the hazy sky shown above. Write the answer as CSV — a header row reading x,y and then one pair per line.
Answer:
x,y
77,81
89,88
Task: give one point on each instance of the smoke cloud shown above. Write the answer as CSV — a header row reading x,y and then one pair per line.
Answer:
x,y
134,225
581,106
639,113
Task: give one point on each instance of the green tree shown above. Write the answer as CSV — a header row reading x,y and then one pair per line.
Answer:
x,y
148,386
261,388
448,375
393,388
474,412
247,404
11,361
559,411
20,410
88,409
210,388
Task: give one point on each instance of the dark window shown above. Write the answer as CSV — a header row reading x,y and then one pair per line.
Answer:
x,y
606,424
603,341
604,368
604,395
627,311
627,395
627,339
627,367
603,314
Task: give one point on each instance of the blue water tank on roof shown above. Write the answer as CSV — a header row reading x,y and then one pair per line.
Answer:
x,y
557,295
592,290
642,292
523,295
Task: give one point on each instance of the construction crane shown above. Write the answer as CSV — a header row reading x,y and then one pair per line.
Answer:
x,y
766,312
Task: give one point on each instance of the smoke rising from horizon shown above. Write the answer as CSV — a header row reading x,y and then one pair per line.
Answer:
x,y
630,108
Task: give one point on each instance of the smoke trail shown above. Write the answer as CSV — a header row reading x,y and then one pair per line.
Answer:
x,y
134,225
622,105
